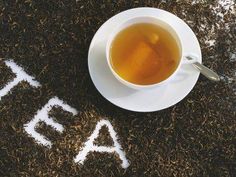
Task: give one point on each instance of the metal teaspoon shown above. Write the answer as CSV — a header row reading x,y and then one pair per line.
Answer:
x,y
211,75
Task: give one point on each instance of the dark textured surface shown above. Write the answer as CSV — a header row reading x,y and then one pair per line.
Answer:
x,y
50,40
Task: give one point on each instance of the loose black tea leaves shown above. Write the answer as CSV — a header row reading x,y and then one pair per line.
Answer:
x,y
49,41
43,116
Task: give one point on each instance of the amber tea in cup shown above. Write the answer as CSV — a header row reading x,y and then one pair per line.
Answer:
x,y
144,54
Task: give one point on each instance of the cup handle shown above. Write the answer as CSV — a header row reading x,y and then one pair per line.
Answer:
x,y
190,58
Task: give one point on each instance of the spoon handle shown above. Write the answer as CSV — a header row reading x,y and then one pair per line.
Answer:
x,y
206,71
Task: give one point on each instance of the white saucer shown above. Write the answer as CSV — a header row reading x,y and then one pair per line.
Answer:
x,y
148,100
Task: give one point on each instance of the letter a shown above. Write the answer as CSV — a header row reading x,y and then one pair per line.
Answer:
x,y
90,147
20,76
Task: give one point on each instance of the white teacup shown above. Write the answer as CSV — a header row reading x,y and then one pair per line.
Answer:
x,y
155,21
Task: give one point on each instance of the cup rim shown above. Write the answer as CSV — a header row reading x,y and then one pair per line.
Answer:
x,y
112,37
